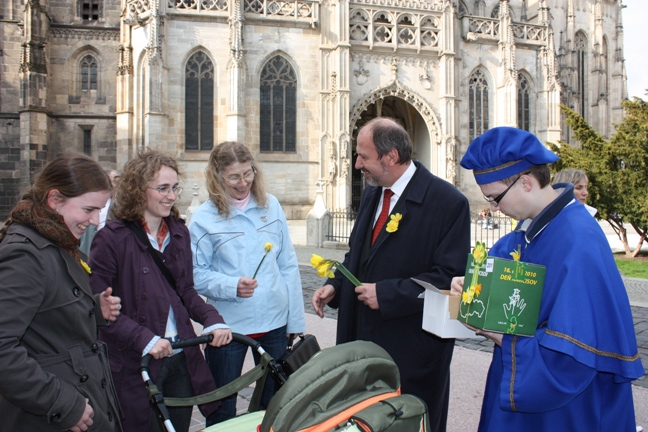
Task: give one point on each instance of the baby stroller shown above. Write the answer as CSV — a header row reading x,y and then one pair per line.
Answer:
x,y
349,387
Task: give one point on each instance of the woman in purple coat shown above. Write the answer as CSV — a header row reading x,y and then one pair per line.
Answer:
x,y
154,312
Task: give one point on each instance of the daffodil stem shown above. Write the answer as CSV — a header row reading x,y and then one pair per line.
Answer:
x,y
354,280
259,266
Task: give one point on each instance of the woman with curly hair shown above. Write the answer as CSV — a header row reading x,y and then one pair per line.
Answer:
x,y
55,374
156,309
256,287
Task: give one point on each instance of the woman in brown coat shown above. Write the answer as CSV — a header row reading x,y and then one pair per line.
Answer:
x,y
55,373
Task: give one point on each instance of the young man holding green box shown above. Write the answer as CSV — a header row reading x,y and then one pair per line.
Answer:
x,y
575,374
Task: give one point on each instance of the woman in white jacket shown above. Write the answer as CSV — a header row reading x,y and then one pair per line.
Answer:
x,y
257,291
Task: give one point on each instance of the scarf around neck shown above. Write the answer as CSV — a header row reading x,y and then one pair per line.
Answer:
x,y
47,223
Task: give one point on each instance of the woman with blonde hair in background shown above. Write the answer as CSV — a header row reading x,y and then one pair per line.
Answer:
x,y
156,310
245,264
55,373
580,181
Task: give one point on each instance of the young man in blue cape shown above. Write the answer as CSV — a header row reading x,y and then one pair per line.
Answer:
x,y
575,374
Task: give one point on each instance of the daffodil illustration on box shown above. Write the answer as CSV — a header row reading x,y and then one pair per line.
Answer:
x,y
519,265
325,268
502,295
479,256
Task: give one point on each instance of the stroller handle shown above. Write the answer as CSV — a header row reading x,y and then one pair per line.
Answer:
x,y
258,374
205,339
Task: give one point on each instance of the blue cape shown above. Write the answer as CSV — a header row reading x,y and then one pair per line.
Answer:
x,y
576,373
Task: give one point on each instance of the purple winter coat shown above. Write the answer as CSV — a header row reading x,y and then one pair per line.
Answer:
x,y
119,260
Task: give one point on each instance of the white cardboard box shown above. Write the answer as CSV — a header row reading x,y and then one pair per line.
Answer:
x,y
440,311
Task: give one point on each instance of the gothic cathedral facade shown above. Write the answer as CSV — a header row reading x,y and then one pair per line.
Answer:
x,y
295,80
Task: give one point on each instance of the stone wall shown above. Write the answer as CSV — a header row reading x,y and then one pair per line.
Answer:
x,y
9,164
291,177
338,71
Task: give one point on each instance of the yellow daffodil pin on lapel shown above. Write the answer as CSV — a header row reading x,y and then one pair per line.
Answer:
x,y
394,220
85,266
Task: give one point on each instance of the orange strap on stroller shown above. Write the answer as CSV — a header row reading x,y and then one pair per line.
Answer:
x,y
347,413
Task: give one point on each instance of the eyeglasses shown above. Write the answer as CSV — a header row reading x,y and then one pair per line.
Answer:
x,y
247,176
166,190
495,201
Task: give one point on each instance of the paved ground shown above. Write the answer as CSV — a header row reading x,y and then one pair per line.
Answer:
x,y
470,361
471,357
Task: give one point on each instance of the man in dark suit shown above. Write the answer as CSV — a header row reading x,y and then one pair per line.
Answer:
x,y
430,241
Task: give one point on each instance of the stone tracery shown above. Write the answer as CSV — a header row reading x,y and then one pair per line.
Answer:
x,y
397,90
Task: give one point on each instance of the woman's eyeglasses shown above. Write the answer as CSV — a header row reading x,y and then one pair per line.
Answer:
x,y
247,176
166,190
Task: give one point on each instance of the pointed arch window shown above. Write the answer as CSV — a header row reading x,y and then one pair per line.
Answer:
x,y
581,75
88,73
463,10
523,103
478,103
199,102
278,106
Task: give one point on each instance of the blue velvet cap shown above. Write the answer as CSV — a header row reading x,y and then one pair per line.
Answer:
x,y
502,152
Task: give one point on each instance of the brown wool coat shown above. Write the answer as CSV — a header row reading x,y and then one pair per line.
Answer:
x,y
50,357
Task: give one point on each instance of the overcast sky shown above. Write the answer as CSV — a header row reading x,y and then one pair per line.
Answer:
x,y
635,36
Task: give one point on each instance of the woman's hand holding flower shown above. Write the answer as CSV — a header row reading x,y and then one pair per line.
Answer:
x,y
246,287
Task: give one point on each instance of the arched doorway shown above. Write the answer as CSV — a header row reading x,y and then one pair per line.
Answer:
x,y
410,118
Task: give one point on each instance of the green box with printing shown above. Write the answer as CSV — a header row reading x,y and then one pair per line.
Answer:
x,y
501,295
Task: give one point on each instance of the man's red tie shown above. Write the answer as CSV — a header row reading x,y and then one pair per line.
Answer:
x,y
384,214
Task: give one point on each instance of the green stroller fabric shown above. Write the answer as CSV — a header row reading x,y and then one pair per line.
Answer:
x,y
334,380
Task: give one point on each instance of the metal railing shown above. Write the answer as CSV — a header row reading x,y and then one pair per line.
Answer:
x,y
490,229
341,225
487,231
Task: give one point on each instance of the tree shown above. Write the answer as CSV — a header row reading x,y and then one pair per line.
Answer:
x,y
617,169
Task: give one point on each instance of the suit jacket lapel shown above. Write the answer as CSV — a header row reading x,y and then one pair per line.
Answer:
x,y
414,192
